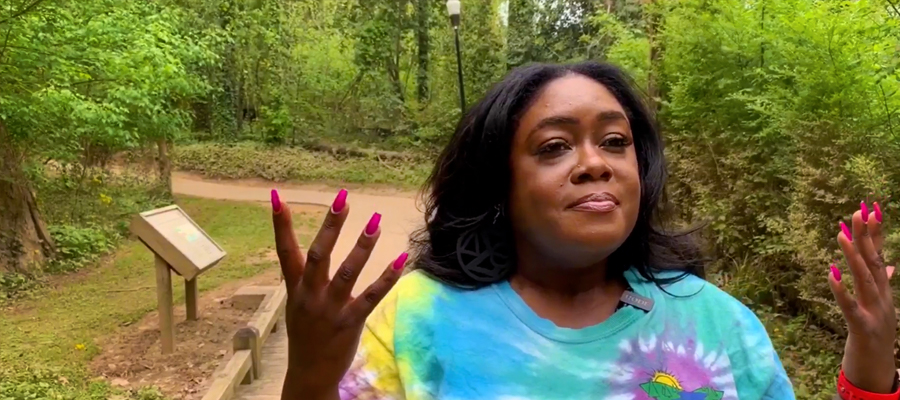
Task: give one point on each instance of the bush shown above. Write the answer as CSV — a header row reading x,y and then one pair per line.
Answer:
x,y
40,383
37,383
12,284
250,160
77,246
779,121
87,212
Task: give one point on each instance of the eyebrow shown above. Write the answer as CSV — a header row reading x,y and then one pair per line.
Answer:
x,y
610,115
559,120
553,121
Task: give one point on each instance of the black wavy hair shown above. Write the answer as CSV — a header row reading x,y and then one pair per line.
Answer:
x,y
472,177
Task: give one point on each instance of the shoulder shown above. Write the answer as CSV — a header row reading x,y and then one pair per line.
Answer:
x,y
717,313
412,297
709,309
717,319
417,286
698,295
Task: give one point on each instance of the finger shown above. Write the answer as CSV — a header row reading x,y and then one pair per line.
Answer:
x,y
289,255
863,283
360,308
874,225
844,300
315,275
862,238
342,283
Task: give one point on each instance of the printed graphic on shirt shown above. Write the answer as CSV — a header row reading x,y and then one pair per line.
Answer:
x,y
670,367
665,386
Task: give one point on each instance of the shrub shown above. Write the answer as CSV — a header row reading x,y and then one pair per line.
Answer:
x,y
250,160
77,246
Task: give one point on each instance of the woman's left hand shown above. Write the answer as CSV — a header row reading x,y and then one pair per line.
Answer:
x,y
871,320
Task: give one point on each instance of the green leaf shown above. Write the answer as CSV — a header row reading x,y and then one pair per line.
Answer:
x,y
658,391
711,394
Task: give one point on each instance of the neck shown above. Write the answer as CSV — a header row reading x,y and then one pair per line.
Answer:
x,y
572,294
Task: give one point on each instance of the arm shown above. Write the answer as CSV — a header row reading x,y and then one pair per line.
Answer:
x,y
868,369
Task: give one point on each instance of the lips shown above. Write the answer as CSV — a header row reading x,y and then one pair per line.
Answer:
x,y
596,202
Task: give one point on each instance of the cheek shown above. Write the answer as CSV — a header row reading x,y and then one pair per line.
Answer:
x,y
535,191
631,185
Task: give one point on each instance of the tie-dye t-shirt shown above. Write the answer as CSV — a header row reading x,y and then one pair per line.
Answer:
x,y
427,340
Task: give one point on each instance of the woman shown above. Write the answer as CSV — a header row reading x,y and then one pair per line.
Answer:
x,y
543,272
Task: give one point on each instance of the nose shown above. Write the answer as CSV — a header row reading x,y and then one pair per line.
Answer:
x,y
591,166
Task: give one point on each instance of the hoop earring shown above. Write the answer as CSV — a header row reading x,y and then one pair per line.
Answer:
x,y
484,254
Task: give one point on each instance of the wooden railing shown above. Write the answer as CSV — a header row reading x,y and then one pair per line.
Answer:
x,y
245,363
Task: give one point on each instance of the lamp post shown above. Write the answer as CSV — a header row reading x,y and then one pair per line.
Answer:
x,y
453,8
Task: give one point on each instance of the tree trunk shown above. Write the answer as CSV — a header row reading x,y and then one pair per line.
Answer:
x,y
393,60
423,12
651,17
165,166
25,242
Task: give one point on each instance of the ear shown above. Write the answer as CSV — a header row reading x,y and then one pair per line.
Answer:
x,y
890,271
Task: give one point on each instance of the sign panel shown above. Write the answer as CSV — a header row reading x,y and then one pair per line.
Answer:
x,y
175,237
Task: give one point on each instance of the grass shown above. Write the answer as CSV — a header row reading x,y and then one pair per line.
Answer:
x,y
56,328
252,160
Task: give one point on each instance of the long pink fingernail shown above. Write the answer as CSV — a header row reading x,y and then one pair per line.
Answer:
x,y
339,202
877,212
865,211
372,226
400,261
846,231
276,202
836,273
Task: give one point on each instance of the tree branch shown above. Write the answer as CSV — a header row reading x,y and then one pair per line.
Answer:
x,y
887,109
23,11
5,42
894,7
91,81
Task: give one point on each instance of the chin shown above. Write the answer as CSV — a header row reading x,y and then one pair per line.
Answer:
x,y
596,243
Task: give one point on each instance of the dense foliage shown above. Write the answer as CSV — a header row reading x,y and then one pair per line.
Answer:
x,y
780,115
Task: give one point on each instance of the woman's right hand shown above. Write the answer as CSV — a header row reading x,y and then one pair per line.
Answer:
x,y
324,321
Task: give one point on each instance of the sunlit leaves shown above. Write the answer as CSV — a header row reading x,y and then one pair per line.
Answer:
x,y
96,72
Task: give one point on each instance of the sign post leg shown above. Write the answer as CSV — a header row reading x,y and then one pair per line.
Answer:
x,y
164,301
190,299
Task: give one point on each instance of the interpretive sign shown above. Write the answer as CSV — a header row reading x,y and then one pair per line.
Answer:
x,y
178,244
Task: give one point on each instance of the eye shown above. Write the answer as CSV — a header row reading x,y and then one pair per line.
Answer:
x,y
553,148
616,142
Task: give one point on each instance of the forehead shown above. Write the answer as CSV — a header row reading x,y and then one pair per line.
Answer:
x,y
571,95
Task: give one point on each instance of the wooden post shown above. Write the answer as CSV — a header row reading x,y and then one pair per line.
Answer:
x,y
247,338
190,299
164,301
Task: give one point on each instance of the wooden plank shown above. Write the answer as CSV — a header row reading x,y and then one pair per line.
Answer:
x,y
251,297
274,368
226,380
191,294
247,338
270,310
262,397
269,390
164,304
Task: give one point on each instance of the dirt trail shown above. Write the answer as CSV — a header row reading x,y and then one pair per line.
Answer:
x,y
400,216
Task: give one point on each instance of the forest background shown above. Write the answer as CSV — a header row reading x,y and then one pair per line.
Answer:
x,y
779,118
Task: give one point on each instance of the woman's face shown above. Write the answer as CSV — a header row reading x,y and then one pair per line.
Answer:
x,y
575,184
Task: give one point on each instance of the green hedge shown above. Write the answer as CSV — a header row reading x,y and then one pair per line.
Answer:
x,y
252,160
